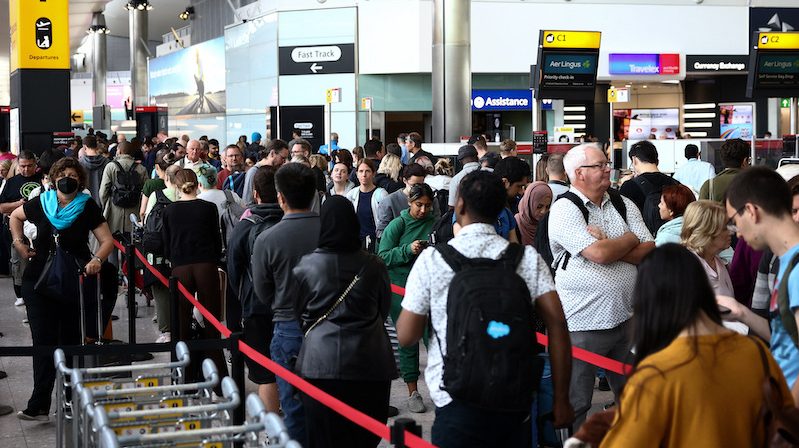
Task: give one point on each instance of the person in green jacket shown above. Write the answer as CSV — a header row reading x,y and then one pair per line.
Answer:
x,y
402,241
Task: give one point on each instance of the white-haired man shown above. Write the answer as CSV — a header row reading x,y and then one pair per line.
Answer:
x,y
596,246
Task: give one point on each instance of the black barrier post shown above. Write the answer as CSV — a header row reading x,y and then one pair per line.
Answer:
x,y
174,319
131,274
398,431
237,373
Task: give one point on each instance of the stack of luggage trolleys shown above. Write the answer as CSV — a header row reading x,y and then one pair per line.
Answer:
x,y
152,406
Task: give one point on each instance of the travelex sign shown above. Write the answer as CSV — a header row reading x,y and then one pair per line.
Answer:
x,y
493,100
644,64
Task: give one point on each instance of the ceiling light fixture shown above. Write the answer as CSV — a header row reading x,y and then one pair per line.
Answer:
x,y
141,5
187,13
98,25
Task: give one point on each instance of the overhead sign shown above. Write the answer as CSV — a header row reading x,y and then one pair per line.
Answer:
x,y
778,41
618,95
785,103
570,39
492,100
644,64
317,59
76,117
708,63
568,70
39,34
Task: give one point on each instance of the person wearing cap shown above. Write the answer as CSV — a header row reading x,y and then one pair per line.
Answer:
x,y
467,155
333,144
255,147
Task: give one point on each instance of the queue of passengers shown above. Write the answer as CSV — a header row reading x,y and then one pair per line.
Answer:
x,y
692,271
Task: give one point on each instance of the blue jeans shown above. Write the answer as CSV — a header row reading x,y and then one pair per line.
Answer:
x,y
285,347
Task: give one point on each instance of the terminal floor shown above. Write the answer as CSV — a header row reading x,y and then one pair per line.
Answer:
x,y
15,390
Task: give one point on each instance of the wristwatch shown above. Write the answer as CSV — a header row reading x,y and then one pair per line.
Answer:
x,y
99,260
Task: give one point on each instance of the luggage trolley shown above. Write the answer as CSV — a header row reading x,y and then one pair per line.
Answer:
x,y
165,403
106,378
258,422
158,422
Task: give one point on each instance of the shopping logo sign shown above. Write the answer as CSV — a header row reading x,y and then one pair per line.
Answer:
x,y
644,64
501,100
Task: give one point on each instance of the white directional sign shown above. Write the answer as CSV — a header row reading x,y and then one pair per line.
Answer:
x,y
317,59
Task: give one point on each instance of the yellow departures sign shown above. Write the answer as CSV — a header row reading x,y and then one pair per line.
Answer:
x,y
39,34
570,39
778,41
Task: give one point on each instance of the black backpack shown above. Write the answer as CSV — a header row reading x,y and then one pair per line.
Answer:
x,y
491,359
442,229
259,224
152,241
441,197
542,232
126,187
650,211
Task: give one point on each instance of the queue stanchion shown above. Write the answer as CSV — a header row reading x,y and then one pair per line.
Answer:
x,y
237,372
398,431
174,319
131,274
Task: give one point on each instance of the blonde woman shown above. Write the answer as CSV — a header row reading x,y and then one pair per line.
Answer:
x,y
443,175
388,173
704,232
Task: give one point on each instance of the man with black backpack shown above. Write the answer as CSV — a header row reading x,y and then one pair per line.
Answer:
x,y
482,365
120,189
257,315
646,187
597,238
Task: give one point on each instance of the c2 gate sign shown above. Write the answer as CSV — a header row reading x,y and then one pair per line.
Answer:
x,y
493,100
317,59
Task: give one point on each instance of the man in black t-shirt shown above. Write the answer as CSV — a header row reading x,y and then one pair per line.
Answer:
x,y
14,194
648,181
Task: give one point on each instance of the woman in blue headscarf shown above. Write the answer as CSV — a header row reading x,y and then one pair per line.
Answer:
x,y
64,214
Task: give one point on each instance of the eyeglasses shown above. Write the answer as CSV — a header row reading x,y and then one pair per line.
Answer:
x,y
600,166
731,221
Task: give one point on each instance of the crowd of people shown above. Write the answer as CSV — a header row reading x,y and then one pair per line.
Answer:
x,y
668,273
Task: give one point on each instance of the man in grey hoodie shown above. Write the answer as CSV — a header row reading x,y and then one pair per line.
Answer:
x,y
396,202
94,163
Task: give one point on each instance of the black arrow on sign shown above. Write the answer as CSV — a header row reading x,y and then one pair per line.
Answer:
x,y
73,116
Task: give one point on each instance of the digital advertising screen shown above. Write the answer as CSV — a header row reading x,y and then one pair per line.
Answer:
x,y
645,124
736,121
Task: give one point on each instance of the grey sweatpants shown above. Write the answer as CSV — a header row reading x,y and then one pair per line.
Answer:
x,y
613,343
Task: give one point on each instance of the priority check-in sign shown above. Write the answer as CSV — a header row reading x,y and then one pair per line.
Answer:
x,y
317,59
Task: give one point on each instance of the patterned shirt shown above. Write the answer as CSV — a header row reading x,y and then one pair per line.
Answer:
x,y
428,286
594,296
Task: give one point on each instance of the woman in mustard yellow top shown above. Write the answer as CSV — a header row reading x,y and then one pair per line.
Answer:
x,y
695,383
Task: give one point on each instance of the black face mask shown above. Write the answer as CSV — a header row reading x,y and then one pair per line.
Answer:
x,y
67,185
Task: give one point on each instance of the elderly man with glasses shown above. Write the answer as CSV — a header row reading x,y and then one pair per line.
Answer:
x,y
597,238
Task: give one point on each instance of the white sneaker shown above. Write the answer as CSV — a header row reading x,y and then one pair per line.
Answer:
x,y
19,302
164,338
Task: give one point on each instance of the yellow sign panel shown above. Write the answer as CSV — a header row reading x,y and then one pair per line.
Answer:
x,y
570,39
76,116
39,34
778,41
618,95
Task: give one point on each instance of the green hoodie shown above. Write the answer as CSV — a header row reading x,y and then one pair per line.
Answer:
x,y
395,244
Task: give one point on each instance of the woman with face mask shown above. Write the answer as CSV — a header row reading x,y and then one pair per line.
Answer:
x,y
534,205
55,320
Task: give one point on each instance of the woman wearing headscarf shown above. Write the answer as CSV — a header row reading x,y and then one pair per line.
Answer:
x,y
64,216
534,205
343,296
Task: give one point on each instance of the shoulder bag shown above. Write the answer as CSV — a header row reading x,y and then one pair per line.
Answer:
x,y
781,424
60,275
337,302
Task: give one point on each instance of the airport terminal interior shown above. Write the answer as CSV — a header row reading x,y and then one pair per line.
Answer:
x,y
603,139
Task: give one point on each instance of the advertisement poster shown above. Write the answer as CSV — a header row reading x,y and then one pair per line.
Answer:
x,y
736,121
190,81
645,124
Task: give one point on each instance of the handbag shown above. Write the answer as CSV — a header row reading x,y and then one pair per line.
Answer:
x,y
60,275
336,303
781,424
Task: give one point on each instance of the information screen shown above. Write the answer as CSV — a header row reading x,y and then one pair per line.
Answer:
x,y
568,70
777,70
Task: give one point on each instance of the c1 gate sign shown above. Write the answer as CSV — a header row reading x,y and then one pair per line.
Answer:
x,y
317,59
